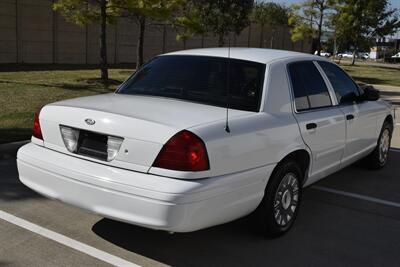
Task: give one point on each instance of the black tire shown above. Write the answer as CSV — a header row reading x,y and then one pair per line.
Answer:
x,y
266,212
376,160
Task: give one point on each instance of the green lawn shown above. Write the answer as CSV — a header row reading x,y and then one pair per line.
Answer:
x,y
364,73
23,92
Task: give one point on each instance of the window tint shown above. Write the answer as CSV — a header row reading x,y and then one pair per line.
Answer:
x,y
344,86
309,87
200,79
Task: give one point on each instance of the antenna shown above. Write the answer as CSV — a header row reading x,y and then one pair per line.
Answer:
x,y
228,78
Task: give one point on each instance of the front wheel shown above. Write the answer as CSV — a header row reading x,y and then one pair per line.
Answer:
x,y
379,157
279,207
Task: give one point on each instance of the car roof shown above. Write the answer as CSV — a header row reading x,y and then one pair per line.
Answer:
x,y
260,55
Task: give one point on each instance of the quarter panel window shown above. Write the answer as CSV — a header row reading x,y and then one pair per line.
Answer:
x,y
309,88
345,88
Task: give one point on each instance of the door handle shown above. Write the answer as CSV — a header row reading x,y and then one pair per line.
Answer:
x,y
311,126
349,117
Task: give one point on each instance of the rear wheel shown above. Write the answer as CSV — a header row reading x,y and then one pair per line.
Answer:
x,y
378,158
279,207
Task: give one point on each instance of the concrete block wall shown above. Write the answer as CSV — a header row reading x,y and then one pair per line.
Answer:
x,y
31,32
8,34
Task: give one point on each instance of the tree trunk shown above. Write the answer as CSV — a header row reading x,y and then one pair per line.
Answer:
x,y
353,59
262,36
103,41
271,42
139,52
249,36
164,38
221,40
321,17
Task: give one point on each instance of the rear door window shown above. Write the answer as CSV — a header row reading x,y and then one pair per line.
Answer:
x,y
309,88
345,88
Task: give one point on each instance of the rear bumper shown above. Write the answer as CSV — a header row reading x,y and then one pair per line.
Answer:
x,y
138,198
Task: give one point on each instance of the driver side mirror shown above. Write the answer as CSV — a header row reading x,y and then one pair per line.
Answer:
x,y
369,93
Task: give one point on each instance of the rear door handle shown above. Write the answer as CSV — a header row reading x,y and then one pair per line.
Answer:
x,y
311,126
349,117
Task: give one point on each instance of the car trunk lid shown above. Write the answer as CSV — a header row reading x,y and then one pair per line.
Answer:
x,y
144,123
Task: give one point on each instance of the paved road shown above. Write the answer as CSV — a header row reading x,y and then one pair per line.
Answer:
x,y
334,228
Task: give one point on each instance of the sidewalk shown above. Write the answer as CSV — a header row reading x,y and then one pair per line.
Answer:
x,y
389,88
390,94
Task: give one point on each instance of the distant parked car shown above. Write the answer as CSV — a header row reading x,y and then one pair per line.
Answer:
x,y
346,55
323,54
363,55
396,56
162,153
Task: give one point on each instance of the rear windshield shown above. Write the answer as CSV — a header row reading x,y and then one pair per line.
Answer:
x,y
200,79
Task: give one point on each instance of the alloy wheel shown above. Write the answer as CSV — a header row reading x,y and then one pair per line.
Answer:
x,y
384,145
286,199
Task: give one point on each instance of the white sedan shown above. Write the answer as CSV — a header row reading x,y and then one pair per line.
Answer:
x,y
346,55
396,55
198,138
323,54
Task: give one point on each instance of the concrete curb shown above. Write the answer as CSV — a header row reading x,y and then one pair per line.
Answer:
x,y
9,150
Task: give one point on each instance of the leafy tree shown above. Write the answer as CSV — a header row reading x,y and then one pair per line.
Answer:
x,y
221,17
307,19
187,22
270,14
84,12
358,21
142,11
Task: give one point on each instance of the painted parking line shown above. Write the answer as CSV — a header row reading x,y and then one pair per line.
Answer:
x,y
66,241
357,196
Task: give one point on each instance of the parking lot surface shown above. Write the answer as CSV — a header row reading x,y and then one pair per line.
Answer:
x,y
351,218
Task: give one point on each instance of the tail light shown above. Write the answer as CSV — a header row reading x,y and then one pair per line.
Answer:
x,y
185,151
37,131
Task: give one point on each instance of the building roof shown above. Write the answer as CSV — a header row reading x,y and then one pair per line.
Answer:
x,y
252,54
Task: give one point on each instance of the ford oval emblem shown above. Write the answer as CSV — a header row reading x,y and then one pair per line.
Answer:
x,y
90,121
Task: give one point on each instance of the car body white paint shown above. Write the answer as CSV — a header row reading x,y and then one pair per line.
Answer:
x,y
241,162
